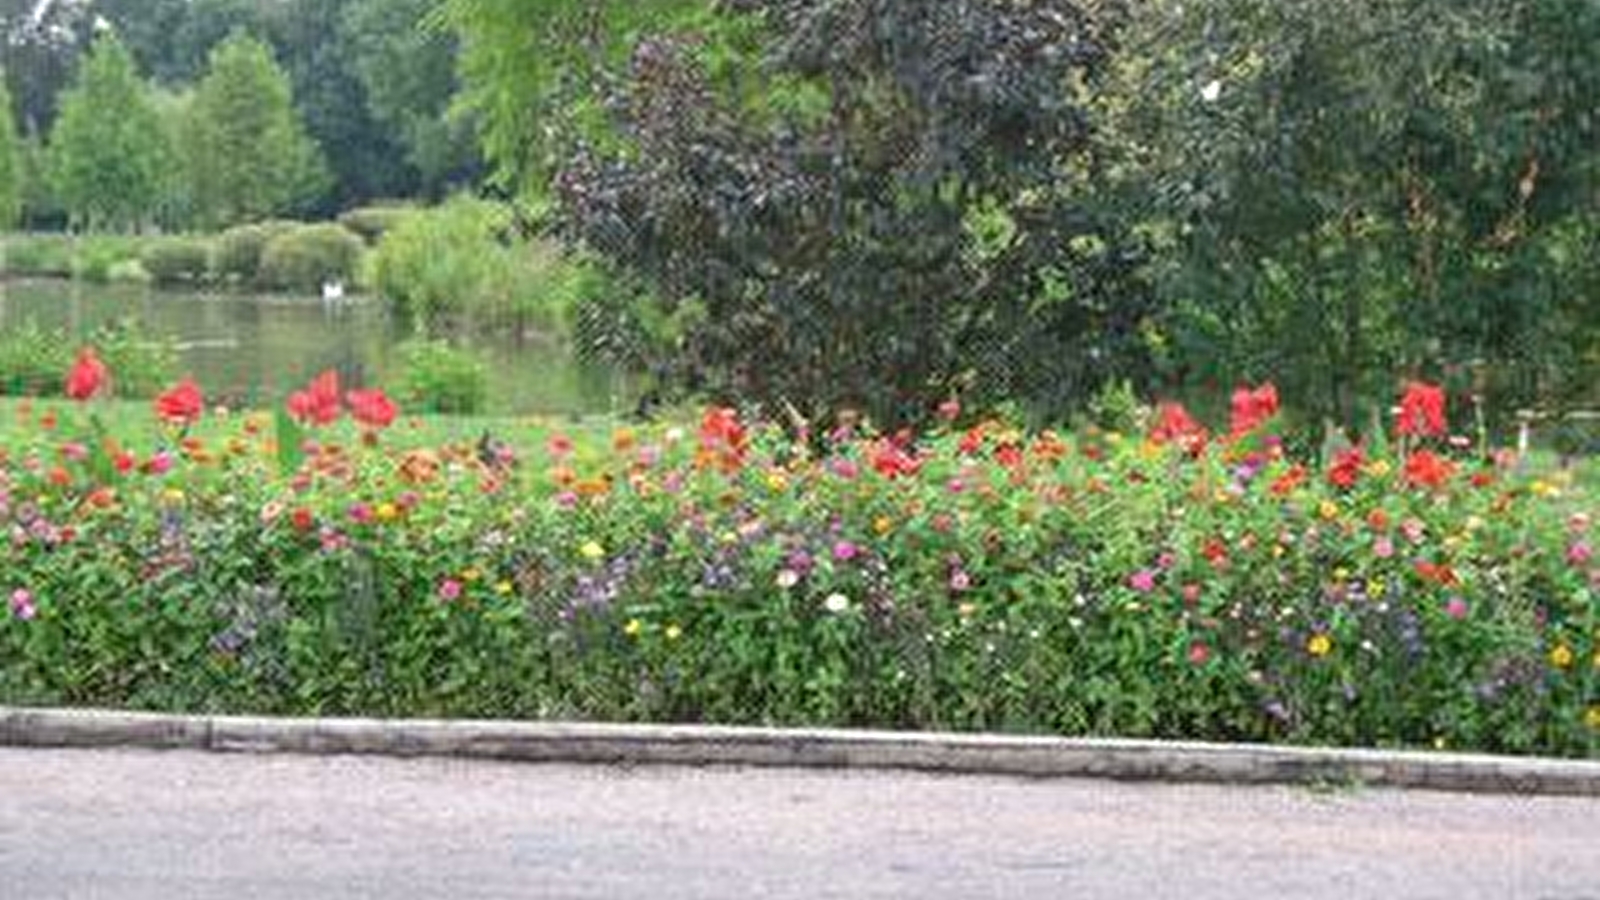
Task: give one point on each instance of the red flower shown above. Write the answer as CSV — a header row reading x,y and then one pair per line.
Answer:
x,y
892,461
1253,407
1199,653
182,404
372,408
1438,573
722,438
1421,409
302,519
88,376
1009,456
318,404
1175,425
1346,468
1426,469
972,441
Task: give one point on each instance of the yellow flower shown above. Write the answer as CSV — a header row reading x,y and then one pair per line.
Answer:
x,y
592,550
1341,574
777,482
1592,717
1439,743
1561,656
471,573
1277,551
1378,468
1319,645
633,628
1544,489
502,587
674,632
1329,510
1221,496
1376,587
172,496
882,525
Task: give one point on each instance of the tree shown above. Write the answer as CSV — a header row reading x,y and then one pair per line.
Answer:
x,y
248,152
871,203
1356,190
107,146
11,163
406,63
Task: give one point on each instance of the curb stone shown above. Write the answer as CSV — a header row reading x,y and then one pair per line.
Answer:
x,y
1038,757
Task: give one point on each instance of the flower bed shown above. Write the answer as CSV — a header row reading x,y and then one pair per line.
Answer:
x,y
1176,584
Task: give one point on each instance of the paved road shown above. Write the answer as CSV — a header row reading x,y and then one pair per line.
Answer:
x,y
174,826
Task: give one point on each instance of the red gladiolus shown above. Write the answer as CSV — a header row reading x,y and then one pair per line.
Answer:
x,y
1346,468
318,404
1421,410
372,408
1253,407
1427,469
88,376
182,404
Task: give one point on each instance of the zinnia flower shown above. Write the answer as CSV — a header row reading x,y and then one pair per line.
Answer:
x,y
318,404
1346,468
22,604
1421,410
88,376
1142,581
836,603
372,408
1424,468
182,404
1175,425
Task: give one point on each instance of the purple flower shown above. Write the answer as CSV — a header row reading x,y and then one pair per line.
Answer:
x,y
1143,581
22,604
844,551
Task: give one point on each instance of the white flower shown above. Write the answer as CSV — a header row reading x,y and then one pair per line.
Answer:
x,y
1212,91
836,603
788,578
674,435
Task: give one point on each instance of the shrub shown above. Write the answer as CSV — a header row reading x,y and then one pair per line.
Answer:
x,y
142,364
178,260
373,222
32,360
308,256
129,271
95,255
38,255
437,377
456,265
239,249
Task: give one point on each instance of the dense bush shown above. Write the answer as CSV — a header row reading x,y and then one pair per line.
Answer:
x,y
177,260
373,222
38,255
974,577
458,266
239,249
438,377
32,360
305,257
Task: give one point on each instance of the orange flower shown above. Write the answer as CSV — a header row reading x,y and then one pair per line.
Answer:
x,y
419,467
1424,468
1286,483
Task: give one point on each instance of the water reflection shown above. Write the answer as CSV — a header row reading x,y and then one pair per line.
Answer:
x,y
247,348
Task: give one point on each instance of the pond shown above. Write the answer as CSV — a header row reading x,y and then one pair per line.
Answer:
x,y
254,347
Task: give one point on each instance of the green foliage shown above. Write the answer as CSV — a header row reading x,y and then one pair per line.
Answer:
x,y
373,222
436,376
248,152
12,171
306,257
239,249
177,260
459,266
34,361
107,147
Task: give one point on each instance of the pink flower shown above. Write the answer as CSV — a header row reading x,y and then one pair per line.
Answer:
x,y
1580,553
960,580
844,468
1413,529
22,604
1455,608
361,513
1383,548
956,486
1199,653
449,589
566,499
159,464
1143,581
950,410
844,551
1191,593
74,452
1166,561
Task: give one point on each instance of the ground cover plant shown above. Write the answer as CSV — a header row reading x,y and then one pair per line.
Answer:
x,y
337,557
